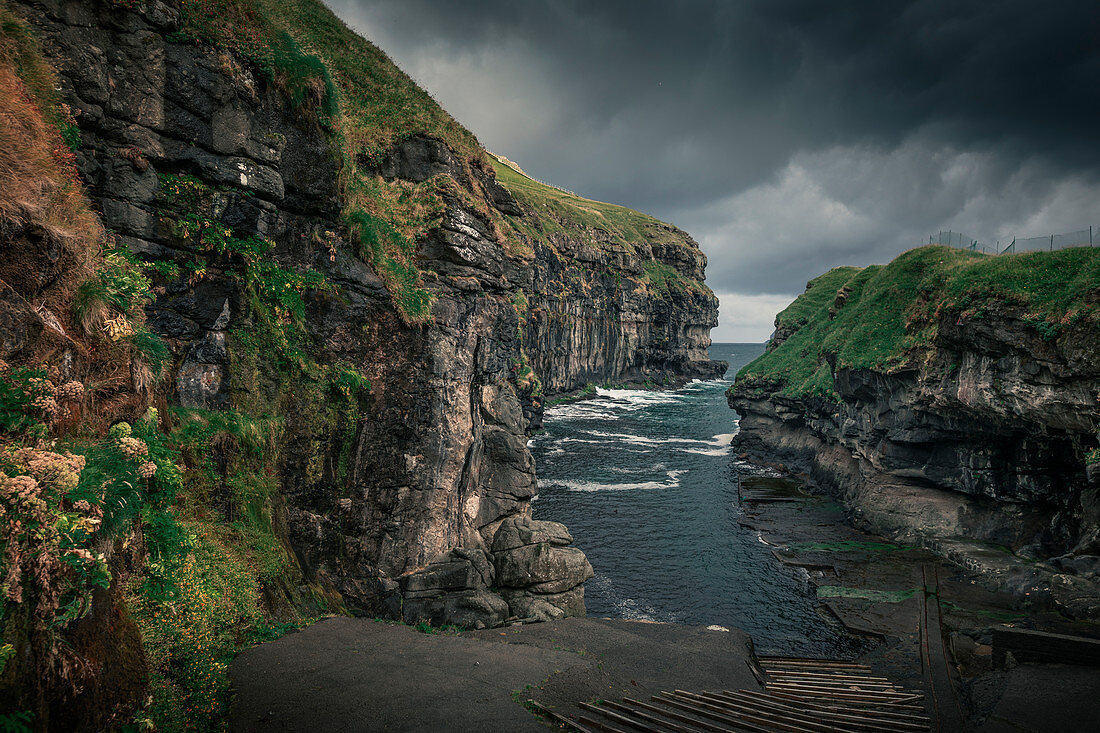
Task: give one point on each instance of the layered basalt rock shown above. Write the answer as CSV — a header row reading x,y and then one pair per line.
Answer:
x,y
415,513
595,319
984,441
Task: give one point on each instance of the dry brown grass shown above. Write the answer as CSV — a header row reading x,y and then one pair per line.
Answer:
x,y
51,241
51,234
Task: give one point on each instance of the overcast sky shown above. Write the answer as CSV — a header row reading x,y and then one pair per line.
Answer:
x,y
787,136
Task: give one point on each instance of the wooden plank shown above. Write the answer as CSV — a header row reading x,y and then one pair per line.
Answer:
x,y
601,725
769,713
559,719
829,676
1039,646
806,716
840,693
753,718
703,724
756,671
853,718
790,666
825,707
843,685
788,696
619,718
840,683
699,711
836,663
642,715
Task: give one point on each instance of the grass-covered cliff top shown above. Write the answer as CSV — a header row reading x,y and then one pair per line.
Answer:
x,y
554,205
369,105
378,103
559,211
884,317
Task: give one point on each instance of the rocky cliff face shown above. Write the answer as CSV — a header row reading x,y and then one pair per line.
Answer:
x,y
417,503
982,438
594,319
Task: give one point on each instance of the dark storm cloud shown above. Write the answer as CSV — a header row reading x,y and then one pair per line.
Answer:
x,y
787,135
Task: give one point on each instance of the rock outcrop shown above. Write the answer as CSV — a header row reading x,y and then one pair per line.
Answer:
x,y
981,438
419,507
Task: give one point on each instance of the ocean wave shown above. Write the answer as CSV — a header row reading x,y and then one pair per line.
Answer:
x,y
580,411
707,451
722,439
625,607
639,470
671,481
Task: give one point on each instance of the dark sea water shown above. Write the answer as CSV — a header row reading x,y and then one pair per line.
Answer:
x,y
646,482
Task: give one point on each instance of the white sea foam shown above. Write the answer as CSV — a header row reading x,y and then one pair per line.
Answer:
x,y
636,471
628,608
671,481
590,410
707,451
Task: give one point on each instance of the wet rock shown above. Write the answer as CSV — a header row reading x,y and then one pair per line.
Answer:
x,y
418,158
985,441
545,607
471,609
458,570
542,568
201,376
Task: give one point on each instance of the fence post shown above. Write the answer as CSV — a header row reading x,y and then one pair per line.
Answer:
x,y
1051,242
1090,235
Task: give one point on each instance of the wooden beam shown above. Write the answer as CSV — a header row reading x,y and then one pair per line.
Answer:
x,y
1039,646
642,715
855,718
734,715
703,724
618,718
710,715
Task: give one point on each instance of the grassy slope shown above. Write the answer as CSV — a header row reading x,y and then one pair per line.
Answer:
x,y
559,211
890,315
377,105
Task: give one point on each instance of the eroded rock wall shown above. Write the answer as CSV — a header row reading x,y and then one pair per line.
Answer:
x,y
985,440
421,509
593,318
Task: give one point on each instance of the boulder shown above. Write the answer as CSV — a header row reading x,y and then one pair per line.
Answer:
x,y
522,530
548,607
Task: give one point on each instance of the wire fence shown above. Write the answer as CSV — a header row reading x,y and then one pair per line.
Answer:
x,y
1048,242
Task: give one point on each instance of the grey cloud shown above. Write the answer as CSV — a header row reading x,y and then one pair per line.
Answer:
x,y
788,136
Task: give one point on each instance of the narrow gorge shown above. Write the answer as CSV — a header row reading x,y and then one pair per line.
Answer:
x,y
355,315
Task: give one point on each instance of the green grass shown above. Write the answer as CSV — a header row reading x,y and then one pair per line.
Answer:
x,y
891,314
368,105
553,211
559,211
869,594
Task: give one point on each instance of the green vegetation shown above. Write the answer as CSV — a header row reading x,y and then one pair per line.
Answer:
x,y
661,278
1093,456
887,316
845,546
558,209
870,594
368,105
604,225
